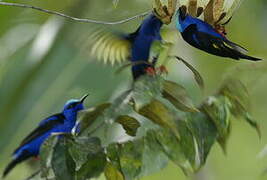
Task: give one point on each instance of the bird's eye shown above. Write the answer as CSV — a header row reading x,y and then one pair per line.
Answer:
x,y
71,106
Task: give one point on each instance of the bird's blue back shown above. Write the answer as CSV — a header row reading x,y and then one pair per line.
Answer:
x,y
202,26
33,147
148,32
68,117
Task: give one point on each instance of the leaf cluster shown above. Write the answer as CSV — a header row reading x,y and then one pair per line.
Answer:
x,y
160,123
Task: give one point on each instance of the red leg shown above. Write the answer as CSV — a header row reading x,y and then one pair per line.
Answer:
x,y
221,30
151,71
37,158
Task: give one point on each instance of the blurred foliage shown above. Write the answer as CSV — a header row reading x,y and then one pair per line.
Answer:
x,y
43,62
182,133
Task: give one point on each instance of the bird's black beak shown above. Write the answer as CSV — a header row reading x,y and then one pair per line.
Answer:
x,y
83,98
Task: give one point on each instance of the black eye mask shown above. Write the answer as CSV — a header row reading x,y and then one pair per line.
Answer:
x,y
72,105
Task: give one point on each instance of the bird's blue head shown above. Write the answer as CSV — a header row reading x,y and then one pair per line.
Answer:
x,y
183,20
73,106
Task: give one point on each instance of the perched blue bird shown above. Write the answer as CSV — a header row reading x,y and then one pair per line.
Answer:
x,y
203,36
135,47
62,122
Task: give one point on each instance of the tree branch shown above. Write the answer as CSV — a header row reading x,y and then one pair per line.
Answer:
x,y
74,18
33,175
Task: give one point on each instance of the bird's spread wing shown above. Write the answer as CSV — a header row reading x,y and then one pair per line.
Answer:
x,y
215,44
46,125
111,47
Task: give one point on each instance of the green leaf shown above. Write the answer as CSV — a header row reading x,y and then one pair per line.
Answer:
x,y
62,163
197,75
160,114
252,122
81,147
93,167
137,158
177,95
112,173
237,94
112,153
88,155
223,140
127,157
218,111
181,152
88,117
154,159
129,124
130,155
239,111
239,103
205,134
145,89
121,105
46,153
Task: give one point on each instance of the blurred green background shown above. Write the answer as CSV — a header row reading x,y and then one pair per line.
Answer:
x,y
44,61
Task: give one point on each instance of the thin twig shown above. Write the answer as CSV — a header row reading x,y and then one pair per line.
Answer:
x,y
33,175
132,64
74,18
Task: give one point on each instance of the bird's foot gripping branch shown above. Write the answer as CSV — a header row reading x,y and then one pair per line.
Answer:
x,y
143,129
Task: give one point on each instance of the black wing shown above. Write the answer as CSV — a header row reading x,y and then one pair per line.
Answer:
x,y
215,45
131,37
223,47
44,126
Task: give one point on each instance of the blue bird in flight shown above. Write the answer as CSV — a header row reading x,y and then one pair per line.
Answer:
x,y
142,40
62,122
135,47
203,36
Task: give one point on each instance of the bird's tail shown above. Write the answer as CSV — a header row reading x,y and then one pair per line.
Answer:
x,y
243,56
22,157
242,51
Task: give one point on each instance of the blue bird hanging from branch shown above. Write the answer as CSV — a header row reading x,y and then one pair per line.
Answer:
x,y
63,122
209,35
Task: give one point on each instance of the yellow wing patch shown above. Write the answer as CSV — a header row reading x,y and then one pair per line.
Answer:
x,y
215,46
236,47
110,47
